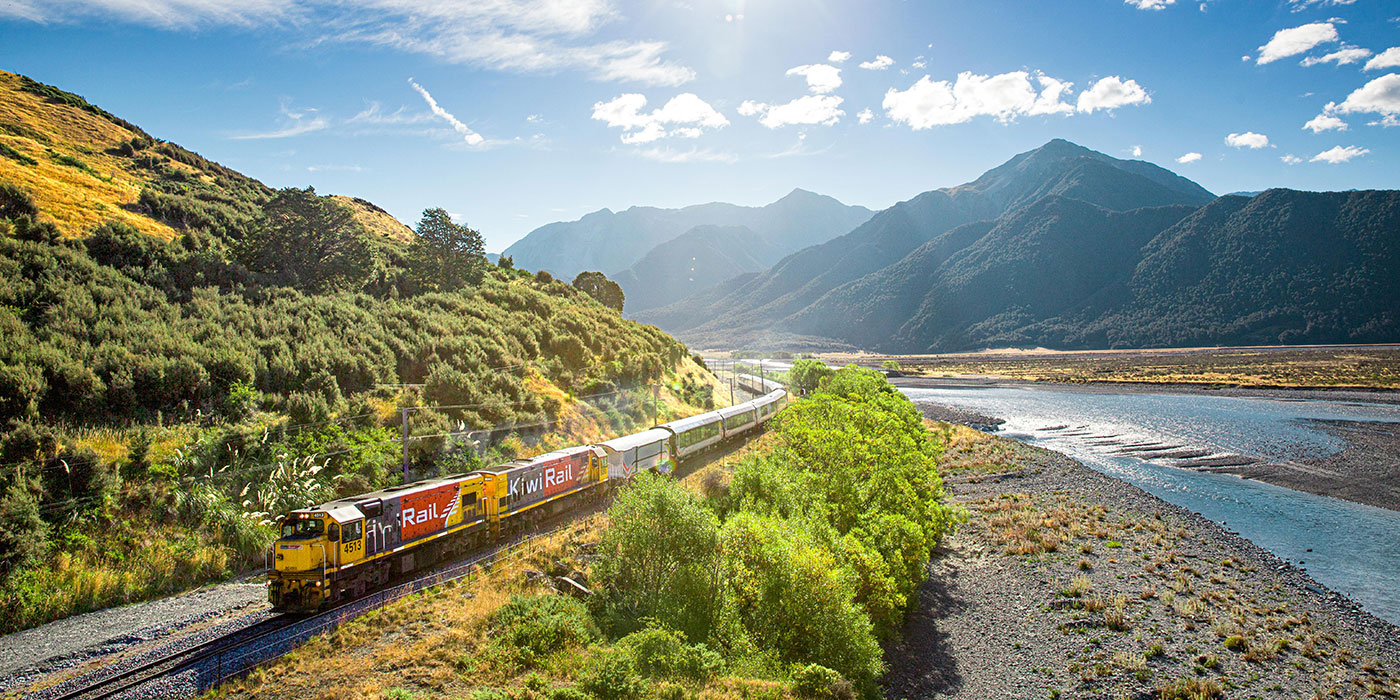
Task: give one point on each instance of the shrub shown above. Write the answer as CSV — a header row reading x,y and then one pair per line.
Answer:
x,y
821,683
611,674
663,653
662,573
23,534
543,624
15,202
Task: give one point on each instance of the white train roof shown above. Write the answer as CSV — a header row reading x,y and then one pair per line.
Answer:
x,y
627,442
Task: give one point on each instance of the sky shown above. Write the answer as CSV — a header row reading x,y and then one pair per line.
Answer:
x,y
511,115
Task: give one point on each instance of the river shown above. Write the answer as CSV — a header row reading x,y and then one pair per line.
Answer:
x,y
1351,548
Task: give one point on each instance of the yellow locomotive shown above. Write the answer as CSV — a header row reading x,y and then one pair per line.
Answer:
x,y
347,547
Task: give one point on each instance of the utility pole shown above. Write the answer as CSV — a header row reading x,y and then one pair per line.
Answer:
x,y
403,417
655,409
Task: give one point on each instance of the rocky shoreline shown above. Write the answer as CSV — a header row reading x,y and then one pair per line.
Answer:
x,y
1066,582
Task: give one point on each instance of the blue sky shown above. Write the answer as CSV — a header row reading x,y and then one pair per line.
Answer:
x,y
515,114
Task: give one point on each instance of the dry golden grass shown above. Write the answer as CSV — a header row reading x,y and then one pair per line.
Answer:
x,y
970,451
375,220
75,200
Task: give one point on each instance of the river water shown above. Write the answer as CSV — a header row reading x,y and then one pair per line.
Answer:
x,y
1351,548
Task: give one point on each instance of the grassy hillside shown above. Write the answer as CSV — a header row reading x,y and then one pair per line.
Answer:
x,y
188,354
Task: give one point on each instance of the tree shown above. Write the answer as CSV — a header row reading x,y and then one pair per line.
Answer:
x,y
669,573
598,286
448,255
309,242
23,532
806,375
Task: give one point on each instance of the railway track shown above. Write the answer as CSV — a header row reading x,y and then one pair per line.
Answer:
x,y
216,660
177,661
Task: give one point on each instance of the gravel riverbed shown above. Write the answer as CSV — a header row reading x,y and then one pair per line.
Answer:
x,y
1066,582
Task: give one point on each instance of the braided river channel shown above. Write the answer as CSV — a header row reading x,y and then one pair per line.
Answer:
x,y
1353,549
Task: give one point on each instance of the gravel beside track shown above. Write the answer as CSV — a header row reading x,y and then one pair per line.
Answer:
x,y
992,624
72,644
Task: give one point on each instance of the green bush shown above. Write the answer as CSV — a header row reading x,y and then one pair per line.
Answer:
x,y
664,653
15,202
23,533
543,624
821,683
668,574
611,674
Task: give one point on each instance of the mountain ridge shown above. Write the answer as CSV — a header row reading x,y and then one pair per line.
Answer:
x,y
610,241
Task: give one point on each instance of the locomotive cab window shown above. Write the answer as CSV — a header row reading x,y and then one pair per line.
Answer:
x,y
354,530
301,528
333,532
468,500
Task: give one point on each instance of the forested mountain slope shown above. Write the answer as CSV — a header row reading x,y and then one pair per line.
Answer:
x,y
692,262
755,312
609,241
188,354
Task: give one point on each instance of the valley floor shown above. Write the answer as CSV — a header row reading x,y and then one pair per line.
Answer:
x,y
1069,583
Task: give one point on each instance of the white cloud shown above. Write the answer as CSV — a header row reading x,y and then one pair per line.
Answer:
x,y
294,123
1189,158
1389,58
809,109
334,168
1341,57
1111,93
1290,159
1248,139
1137,151
690,115
929,103
1339,154
1150,4
1325,121
821,78
1300,5
1381,96
865,115
540,36
838,57
374,114
471,137
881,62
694,155
1291,42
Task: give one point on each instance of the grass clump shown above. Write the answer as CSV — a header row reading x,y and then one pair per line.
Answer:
x,y
1189,689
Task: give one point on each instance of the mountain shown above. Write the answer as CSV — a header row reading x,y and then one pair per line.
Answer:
x,y
692,262
609,241
755,311
1280,267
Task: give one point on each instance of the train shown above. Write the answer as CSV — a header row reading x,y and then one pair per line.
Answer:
x,y
343,549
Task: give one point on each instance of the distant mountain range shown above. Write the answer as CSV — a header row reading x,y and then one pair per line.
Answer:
x,y
615,242
1070,248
